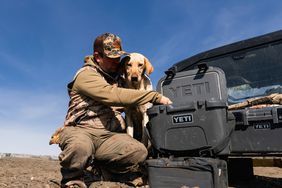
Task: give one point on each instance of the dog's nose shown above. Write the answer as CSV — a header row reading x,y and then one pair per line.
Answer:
x,y
134,79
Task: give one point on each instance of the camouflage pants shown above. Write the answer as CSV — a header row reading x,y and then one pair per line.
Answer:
x,y
116,152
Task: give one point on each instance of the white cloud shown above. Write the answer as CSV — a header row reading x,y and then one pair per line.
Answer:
x,y
28,119
198,33
240,22
14,62
165,53
21,141
31,105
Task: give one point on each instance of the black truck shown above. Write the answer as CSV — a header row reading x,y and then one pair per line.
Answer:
x,y
227,108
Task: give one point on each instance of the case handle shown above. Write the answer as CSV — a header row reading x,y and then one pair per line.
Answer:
x,y
215,104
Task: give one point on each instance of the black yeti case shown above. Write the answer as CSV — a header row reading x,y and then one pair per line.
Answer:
x,y
197,123
187,172
257,131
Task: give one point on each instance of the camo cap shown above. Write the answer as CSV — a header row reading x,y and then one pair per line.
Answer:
x,y
109,44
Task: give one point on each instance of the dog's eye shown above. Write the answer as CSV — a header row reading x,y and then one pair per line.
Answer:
x,y
140,65
129,65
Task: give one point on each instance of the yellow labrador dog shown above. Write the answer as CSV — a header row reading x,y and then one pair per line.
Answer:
x,y
136,69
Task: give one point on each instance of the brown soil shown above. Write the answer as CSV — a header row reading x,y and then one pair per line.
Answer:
x,y
45,173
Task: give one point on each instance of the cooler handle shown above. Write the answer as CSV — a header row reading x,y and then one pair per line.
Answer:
x,y
188,107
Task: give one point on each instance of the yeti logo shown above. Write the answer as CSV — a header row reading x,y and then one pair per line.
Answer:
x,y
197,89
262,125
185,118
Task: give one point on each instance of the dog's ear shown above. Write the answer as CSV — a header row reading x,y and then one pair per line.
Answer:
x,y
124,60
148,66
122,64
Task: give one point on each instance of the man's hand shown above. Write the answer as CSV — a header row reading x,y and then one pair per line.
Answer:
x,y
165,100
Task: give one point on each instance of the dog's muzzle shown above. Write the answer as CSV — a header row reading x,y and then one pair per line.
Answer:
x,y
134,79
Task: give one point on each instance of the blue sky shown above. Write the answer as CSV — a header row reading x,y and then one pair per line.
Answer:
x,y
43,43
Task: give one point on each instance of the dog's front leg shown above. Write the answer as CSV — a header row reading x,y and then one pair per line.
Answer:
x,y
134,119
129,122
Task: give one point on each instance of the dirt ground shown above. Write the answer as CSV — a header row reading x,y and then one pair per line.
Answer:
x,y
35,172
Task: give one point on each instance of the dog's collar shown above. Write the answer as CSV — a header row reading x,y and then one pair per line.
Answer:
x,y
149,82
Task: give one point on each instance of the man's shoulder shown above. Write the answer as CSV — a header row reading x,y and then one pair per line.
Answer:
x,y
86,69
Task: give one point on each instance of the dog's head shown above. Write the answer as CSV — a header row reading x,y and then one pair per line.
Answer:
x,y
135,65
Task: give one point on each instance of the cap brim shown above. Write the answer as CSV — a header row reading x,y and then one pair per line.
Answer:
x,y
116,55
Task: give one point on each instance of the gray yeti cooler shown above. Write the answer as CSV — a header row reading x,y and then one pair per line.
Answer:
x,y
197,123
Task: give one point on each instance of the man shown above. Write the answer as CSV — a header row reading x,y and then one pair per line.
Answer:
x,y
94,127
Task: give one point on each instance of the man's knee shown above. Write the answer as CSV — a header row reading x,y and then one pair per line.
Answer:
x,y
140,153
76,154
134,151
122,148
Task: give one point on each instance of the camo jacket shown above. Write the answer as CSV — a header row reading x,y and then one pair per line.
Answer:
x,y
97,101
